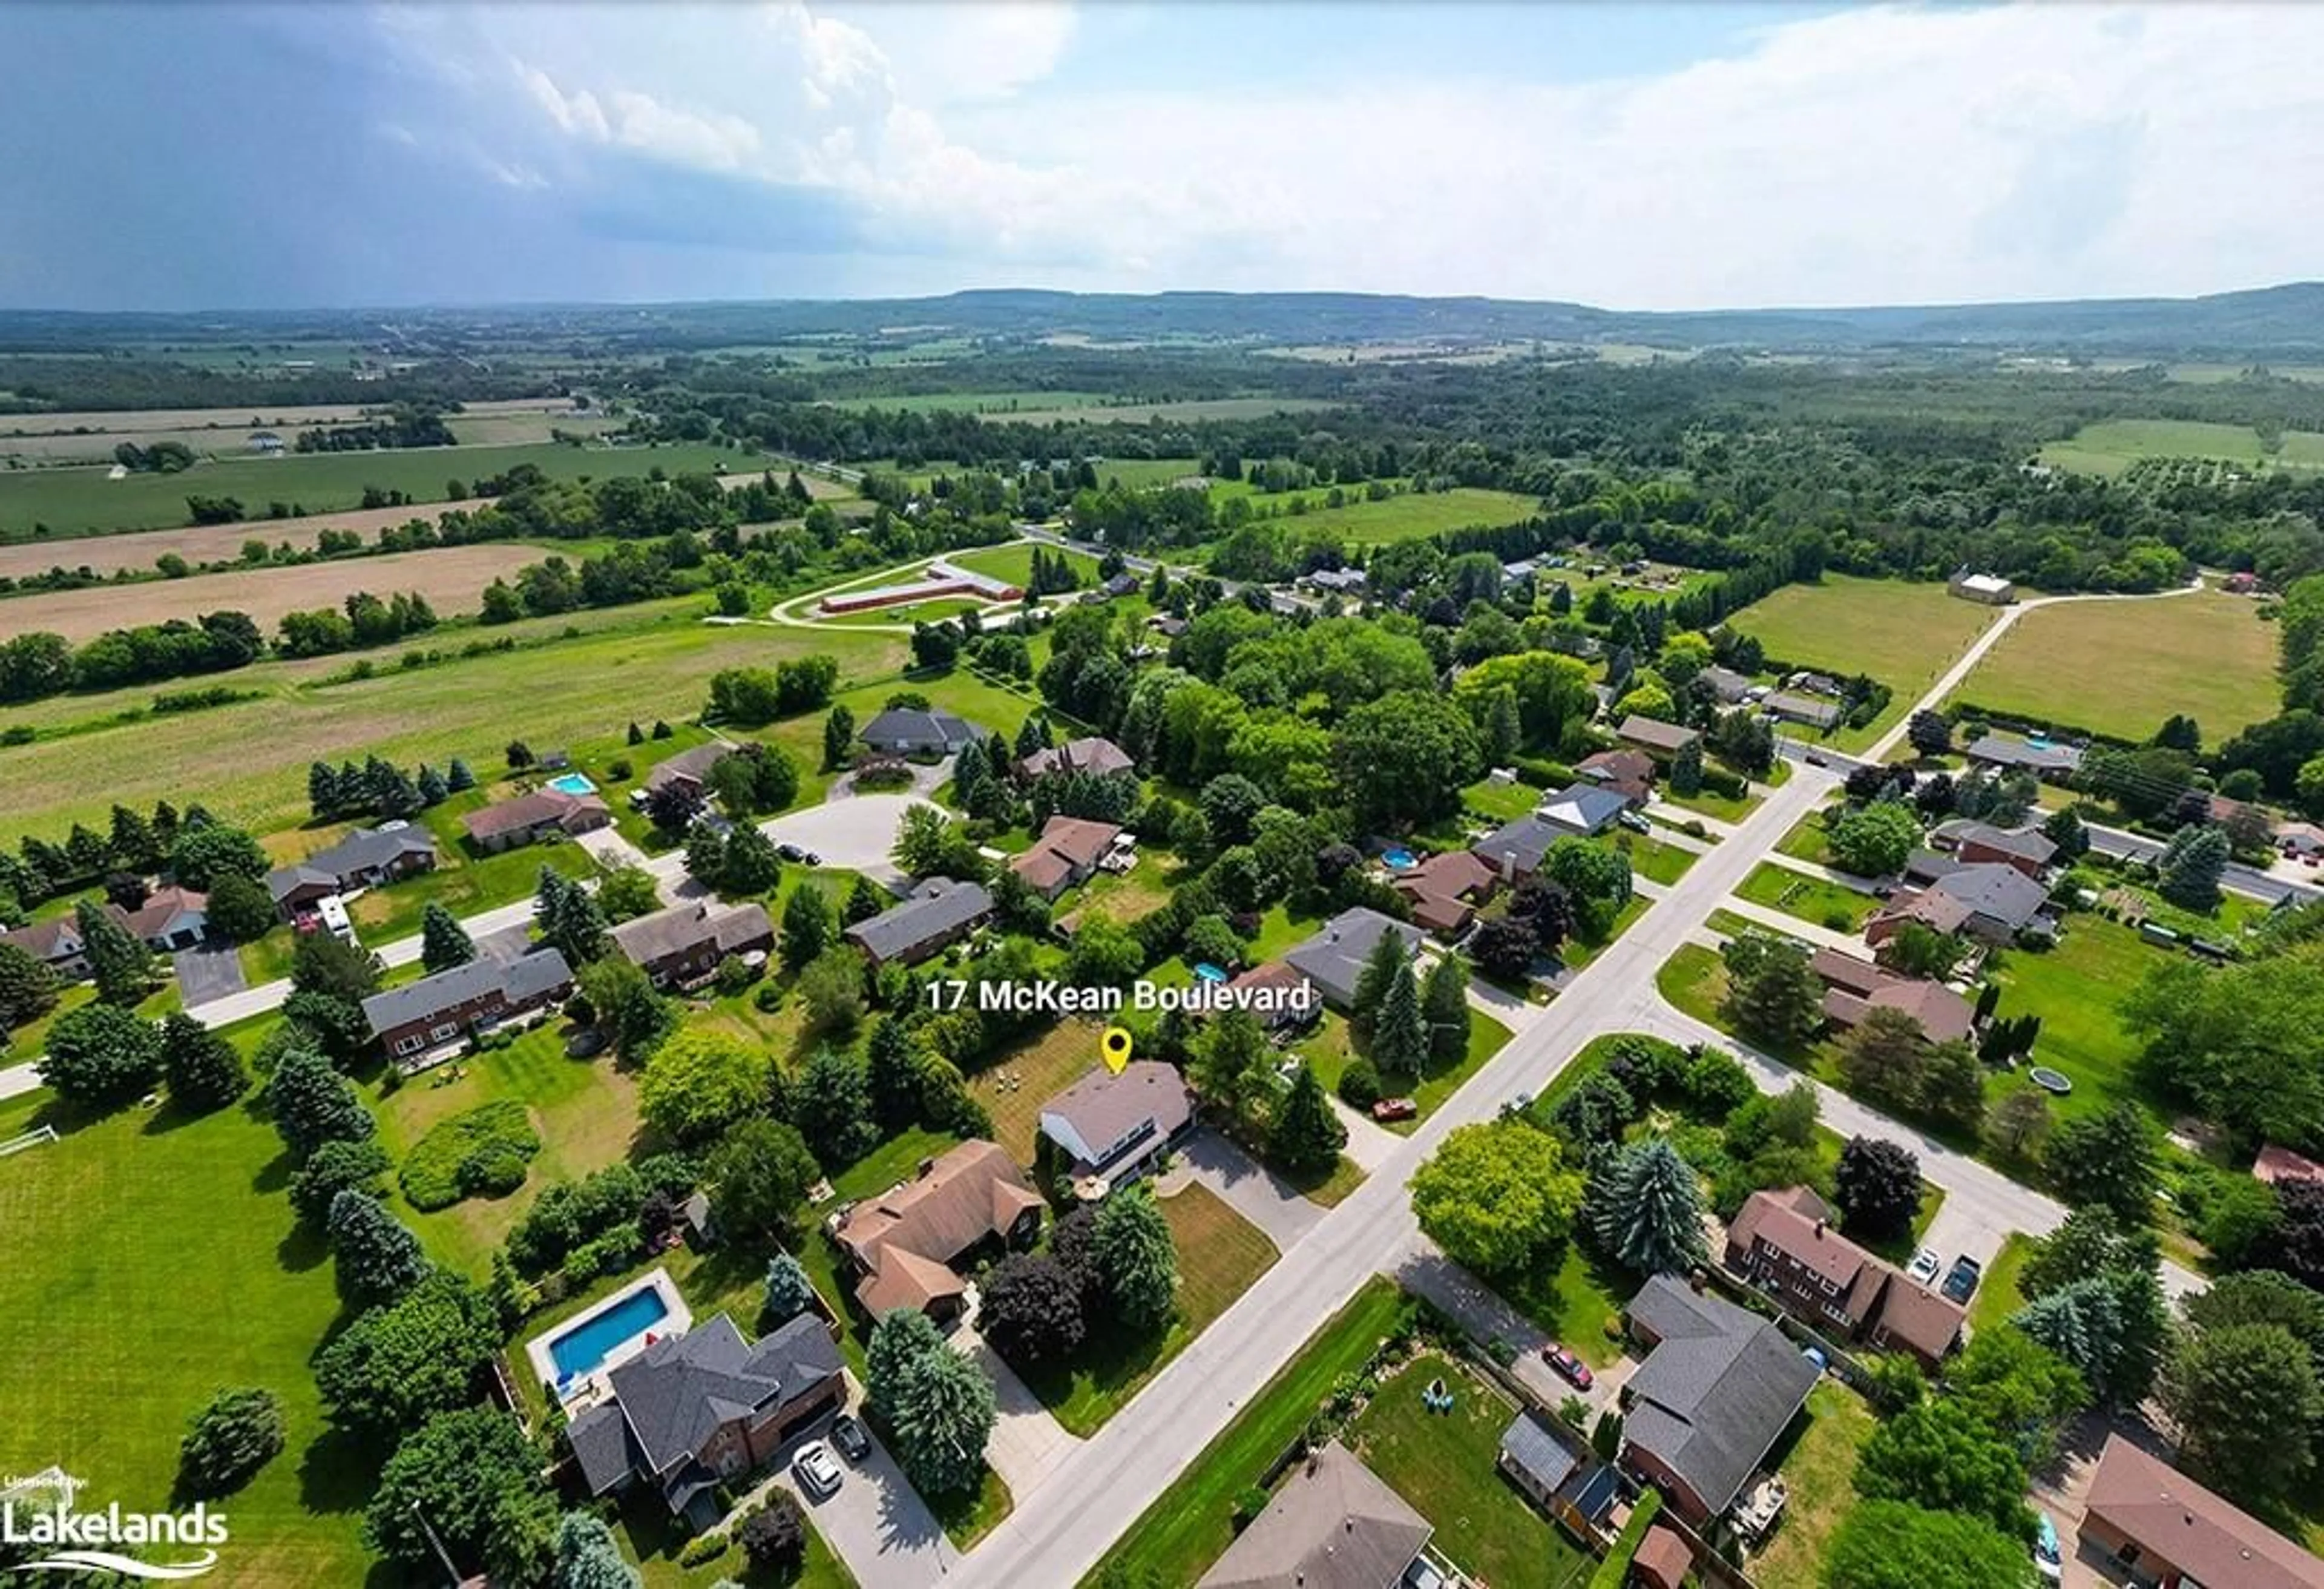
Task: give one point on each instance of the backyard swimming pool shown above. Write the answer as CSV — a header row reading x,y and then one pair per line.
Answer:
x,y
573,783
1207,972
1399,859
583,1351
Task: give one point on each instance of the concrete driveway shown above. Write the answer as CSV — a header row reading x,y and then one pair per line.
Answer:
x,y
855,834
877,1523
208,972
1028,1442
1246,1186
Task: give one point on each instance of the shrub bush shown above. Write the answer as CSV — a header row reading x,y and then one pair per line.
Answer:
x,y
483,1147
704,1548
1359,1085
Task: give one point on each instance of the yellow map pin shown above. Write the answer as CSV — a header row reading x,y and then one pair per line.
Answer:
x,y
1115,1045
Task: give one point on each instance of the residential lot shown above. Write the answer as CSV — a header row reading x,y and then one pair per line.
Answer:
x,y
1902,635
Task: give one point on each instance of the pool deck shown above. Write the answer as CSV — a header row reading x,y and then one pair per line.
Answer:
x,y
586,1389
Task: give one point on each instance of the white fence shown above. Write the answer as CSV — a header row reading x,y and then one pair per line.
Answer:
x,y
30,1139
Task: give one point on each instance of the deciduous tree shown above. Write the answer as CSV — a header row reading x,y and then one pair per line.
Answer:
x,y
1496,1195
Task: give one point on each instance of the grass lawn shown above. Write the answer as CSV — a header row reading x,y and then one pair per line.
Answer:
x,y
1577,952
1704,803
1652,858
1404,517
1122,897
585,1110
1014,1086
1820,1467
2075,989
1500,802
1805,841
1998,1294
159,1255
1220,1255
1186,1528
1443,1463
1574,1301
2120,667
2108,447
1902,635
1811,899
653,1544
1014,563
1334,1043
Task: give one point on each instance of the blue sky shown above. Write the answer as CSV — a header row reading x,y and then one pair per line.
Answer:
x,y
194,156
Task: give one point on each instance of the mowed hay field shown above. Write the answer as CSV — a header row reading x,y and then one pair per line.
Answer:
x,y
93,434
209,543
85,501
1902,635
2120,667
452,578
248,762
2112,446
1402,518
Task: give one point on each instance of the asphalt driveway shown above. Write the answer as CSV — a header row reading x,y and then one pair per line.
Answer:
x,y
877,1523
208,971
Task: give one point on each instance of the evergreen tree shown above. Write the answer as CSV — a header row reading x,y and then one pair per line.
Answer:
x,y
2192,866
1686,769
378,1259
1380,966
864,901
443,943
579,929
433,789
205,1071
752,866
809,926
121,966
705,855
456,776
1647,1210
838,736
1444,1010
313,1104
893,1069
324,797
789,1294
1136,1258
1399,1043
587,1558
1308,1136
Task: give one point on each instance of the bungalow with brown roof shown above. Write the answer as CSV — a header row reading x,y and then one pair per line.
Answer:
x,y
1854,988
1112,1127
171,919
1066,856
1974,842
1651,734
1092,754
903,1243
527,818
1784,1243
691,768
2275,1164
1988,900
1628,773
685,944
1445,890
2166,1529
1279,995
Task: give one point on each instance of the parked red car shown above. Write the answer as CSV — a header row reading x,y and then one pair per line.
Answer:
x,y
1572,1368
1395,1109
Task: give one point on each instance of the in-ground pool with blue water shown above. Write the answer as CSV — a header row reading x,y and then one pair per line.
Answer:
x,y
1209,972
1399,860
583,1351
573,783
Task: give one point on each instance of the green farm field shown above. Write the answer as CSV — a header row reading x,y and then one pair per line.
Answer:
x,y
2120,667
248,760
1902,635
84,501
1408,516
160,1260
2112,446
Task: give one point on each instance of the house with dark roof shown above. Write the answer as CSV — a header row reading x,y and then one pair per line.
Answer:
x,y
171,919
1786,1244
2162,1527
1987,901
1814,711
1718,1388
1583,809
940,913
689,769
427,1019
1628,773
1445,890
1651,734
1514,849
1101,757
1112,1127
914,731
902,1243
1333,959
527,818
366,858
1555,1472
2045,761
1332,1525
56,943
685,944
1727,684
1279,996
1066,856
1854,988
1977,842
697,1409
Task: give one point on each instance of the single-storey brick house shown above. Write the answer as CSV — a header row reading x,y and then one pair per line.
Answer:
x,y
2168,1531
914,731
1333,959
1984,900
940,913
529,818
366,858
437,1012
171,919
1066,856
1854,988
693,1410
2025,848
1628,773
684,945
903,1243
1651,734
1445,890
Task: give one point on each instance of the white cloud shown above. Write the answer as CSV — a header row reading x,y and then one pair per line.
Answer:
x,y
1894,154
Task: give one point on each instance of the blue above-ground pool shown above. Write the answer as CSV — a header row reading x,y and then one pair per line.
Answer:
x,y
1399,859
1209,972
583,1351
573,783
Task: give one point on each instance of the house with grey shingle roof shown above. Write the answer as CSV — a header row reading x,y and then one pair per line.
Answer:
x,y
693,1410
1716,1390
1333,959
366,858
434,1015
1332,1525
940,912
914,731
